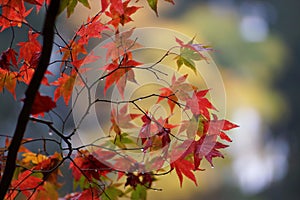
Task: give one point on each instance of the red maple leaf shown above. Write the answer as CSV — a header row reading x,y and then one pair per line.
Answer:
x,y
42,104
132,180
26,74
28,68
207,147
8,58
119,73
182,87
146,129
199,104
121,119
65,86
104,5
165,131
184,167
50,164
155,135
26,183
38,3
179,90
72,51
90,58
149,131
141,178
85,164
167,93
121,45
30,48
217,127
92,29
120,12
13,13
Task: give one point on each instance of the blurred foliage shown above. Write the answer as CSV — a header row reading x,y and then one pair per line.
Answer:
x,y
256,74
250,67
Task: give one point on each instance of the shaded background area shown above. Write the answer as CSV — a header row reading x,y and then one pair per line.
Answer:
x,y
257,46
257,43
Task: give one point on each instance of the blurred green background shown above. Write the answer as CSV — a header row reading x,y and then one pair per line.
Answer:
x,y
258,44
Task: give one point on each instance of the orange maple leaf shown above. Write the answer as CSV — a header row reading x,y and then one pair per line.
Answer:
x,y
65,86
8,80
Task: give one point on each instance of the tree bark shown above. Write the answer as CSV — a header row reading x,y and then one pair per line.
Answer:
x,y
48,37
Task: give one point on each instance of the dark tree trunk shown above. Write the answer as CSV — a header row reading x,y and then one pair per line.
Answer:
x,y
48,37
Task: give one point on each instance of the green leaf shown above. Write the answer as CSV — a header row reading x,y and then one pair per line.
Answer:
x,y
187,57
153,5
38,175
71,4
111,193
124,138
85,3
127,191
185,60
179,62
118,143
189,53
81,183
63,5
190,64
191,41
201,121
140,193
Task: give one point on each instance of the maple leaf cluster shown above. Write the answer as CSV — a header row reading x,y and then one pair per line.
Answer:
x,y
202,131
99,170
38,177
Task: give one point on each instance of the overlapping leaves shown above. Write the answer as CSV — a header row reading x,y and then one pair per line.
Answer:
x,y
93,172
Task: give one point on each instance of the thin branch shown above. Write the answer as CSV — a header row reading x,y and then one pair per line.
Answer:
x,y
12,37
23,22
66,139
